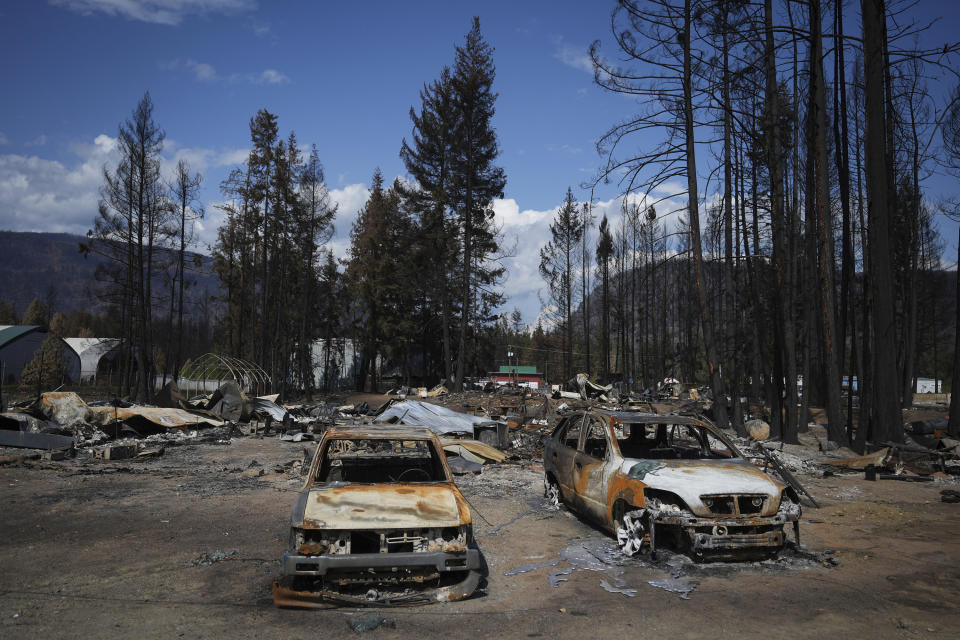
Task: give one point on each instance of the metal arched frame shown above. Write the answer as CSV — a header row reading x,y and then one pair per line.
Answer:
x,y
216,368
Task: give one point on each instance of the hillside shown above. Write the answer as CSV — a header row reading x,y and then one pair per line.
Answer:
x,y
32,263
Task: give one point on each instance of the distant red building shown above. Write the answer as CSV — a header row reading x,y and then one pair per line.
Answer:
x,y
523,376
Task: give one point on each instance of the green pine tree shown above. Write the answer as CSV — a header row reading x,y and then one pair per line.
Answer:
x,y
47,368
476,181
36,313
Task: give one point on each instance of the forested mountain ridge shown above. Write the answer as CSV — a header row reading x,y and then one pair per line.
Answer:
x,y
32,265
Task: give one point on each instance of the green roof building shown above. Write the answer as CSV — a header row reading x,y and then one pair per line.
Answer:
x,y
19,343
522,375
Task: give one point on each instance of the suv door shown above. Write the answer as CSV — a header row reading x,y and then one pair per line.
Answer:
x,y
590,472
562,451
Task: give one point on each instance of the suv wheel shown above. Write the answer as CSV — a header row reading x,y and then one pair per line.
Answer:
x,y
552,493
631,533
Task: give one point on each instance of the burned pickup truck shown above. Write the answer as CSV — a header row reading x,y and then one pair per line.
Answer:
x,y
651,479
378,521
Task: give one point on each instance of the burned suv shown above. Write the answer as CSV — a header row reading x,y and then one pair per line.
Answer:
x,y
650,478
378,521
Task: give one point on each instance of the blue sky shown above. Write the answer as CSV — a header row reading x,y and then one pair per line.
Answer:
x,y
341,75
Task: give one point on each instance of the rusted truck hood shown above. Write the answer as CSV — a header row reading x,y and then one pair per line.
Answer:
x,y
400,506
691,479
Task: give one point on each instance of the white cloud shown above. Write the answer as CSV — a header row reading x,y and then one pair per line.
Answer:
x,y
575,57
39,141
526,229
205,72
564,148
3,138
45,195
202,71
261,29
199,158
37,194
167,12
232,157
206,229
547,319
349,200
270,76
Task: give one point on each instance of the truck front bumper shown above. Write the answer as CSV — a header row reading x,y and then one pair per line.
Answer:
x,y
439,561
310,581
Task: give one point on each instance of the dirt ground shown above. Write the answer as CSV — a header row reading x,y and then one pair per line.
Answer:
x,y
187,545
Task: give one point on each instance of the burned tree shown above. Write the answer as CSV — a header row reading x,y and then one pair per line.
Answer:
x,y
128,231
558,266
184,192
885,415
660,37
604,254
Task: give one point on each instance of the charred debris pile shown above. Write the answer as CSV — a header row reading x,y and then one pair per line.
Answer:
x,y
482,425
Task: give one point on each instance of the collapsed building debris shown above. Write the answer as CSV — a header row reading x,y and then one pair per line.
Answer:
x,y
264,407
229,403
444,421
59,420
473,450
590,390
859,463
901,461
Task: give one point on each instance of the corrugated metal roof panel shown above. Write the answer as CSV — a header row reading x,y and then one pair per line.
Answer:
x,y
434,417
10,333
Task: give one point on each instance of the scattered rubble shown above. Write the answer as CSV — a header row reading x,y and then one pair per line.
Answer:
x,y
487,424
600,554
369,623
206,559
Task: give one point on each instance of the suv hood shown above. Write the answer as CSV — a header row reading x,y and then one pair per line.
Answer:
x,y
691,479
382,506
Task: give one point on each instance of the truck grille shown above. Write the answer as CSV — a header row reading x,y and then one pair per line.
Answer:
x,y
314,542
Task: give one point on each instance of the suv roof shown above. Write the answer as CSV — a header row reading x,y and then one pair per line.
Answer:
x,y
646,418
360,432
